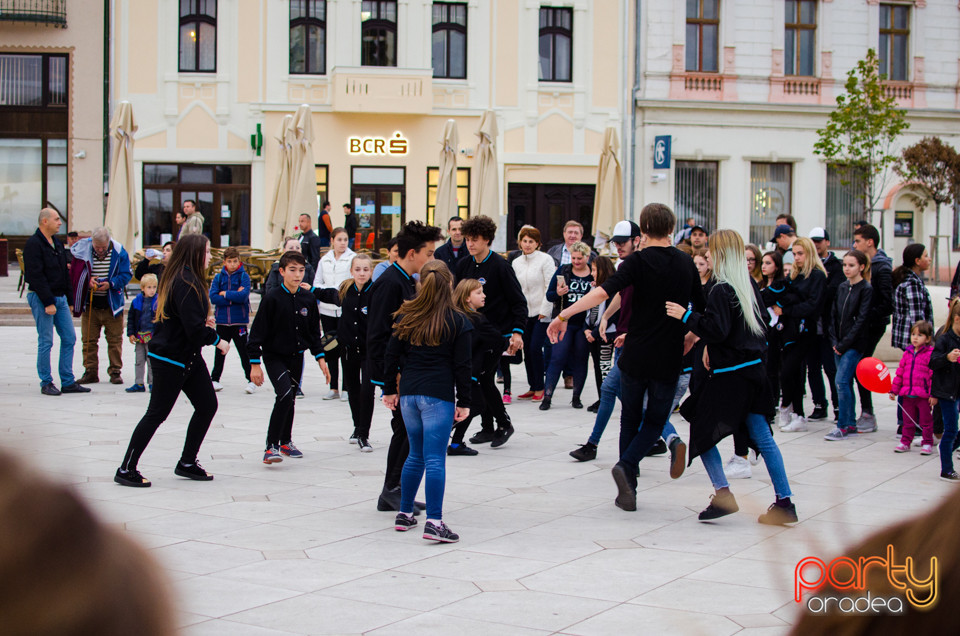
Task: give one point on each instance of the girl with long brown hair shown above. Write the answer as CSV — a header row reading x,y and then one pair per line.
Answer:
x,y
430,352
183,328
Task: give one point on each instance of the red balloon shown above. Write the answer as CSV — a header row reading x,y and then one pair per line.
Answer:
x,y
874,375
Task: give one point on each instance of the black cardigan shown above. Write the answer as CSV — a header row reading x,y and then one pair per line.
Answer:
x,y
730,344
506,306
179,338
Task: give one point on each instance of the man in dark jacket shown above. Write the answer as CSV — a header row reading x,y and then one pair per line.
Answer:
x,y
819,353
309,241
45,271
454,250
415,244
324,225
866,238
350,223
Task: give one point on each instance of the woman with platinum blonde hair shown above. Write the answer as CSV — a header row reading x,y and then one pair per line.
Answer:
x,y
736,392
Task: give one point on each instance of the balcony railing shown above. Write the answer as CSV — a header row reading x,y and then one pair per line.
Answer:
x,y
703,83
801,86
53,12
901,91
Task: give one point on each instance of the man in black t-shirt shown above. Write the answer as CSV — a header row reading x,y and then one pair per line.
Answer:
x,y
654,346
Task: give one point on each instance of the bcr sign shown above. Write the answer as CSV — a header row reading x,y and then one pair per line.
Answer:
x,y
396,145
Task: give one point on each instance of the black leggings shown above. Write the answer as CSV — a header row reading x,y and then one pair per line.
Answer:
x,y
360,391
476,408
329,324
168,381
236,334
792,374
284,373
398,451
507,376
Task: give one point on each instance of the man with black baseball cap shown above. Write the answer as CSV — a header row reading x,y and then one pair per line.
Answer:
x,y
698,237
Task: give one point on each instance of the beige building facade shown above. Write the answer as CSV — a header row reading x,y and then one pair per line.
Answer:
x,y
52,98
381,78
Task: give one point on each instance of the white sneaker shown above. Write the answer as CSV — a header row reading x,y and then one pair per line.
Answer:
x,y
785,416
251,388
217,386
797,424
754,457
737,468
332,394
344,397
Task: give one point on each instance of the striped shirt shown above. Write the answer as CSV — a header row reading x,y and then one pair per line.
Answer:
x,y
101,269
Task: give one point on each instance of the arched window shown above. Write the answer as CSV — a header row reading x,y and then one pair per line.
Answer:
x,y
378,32
198,36
308,37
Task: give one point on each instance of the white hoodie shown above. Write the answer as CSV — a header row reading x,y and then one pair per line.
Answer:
x,y
534,272
331,271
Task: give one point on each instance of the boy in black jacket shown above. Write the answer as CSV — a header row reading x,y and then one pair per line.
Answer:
x,y
506,309
287,323
415,246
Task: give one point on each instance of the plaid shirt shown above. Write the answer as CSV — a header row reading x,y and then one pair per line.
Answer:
x,y
911,302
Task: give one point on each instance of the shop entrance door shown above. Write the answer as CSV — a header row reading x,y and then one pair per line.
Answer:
x,y
380,207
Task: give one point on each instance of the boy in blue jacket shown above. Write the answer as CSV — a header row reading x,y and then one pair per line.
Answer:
x,y
230,295
140,330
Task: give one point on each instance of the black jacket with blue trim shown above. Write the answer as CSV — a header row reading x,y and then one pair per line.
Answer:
x,y
506,306
386,295
286,324
179,338
354,309
730,345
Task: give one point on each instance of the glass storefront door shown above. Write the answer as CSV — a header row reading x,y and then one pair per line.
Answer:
x,y
379,200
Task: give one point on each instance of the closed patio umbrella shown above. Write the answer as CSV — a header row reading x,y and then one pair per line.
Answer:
x,y
486,199
608,200
303,176
446,205
121,216
280,202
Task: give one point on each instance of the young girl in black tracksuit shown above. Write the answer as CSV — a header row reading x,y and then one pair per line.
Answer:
x,y
286,325
352,337
468,297
182,330
799,310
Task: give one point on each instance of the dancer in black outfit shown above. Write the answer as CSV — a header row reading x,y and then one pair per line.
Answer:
x,y
352,335
286,325
182,329
505,308
415,245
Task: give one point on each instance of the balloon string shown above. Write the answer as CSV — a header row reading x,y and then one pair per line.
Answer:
x,y
907,415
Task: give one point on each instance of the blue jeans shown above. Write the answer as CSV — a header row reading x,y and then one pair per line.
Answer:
x,y
63,322
429,421
760,433
948,409
640,427
572,352
534,335
846,370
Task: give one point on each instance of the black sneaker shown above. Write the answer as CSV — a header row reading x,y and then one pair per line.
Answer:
x,y
626,495
721,505
819,413
951,476
299,393
659,448
390,500
545,404
440,534
595,407
502,435
461,449
403,523
779,514
49,389
485,436
585,453
131,478
75,388
576,403
192,471
678,457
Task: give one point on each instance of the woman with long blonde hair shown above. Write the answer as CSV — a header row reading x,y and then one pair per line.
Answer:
x,y
735,393
798,312
430,352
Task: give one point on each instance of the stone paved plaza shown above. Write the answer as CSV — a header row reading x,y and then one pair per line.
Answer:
x,y
299,548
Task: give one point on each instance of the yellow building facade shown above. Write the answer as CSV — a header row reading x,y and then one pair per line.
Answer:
x,y
204,76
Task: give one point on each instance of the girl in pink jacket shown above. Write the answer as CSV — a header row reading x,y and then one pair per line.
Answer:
x,y
912,384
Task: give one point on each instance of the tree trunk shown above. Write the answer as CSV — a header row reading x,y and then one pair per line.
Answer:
x,y
936,248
